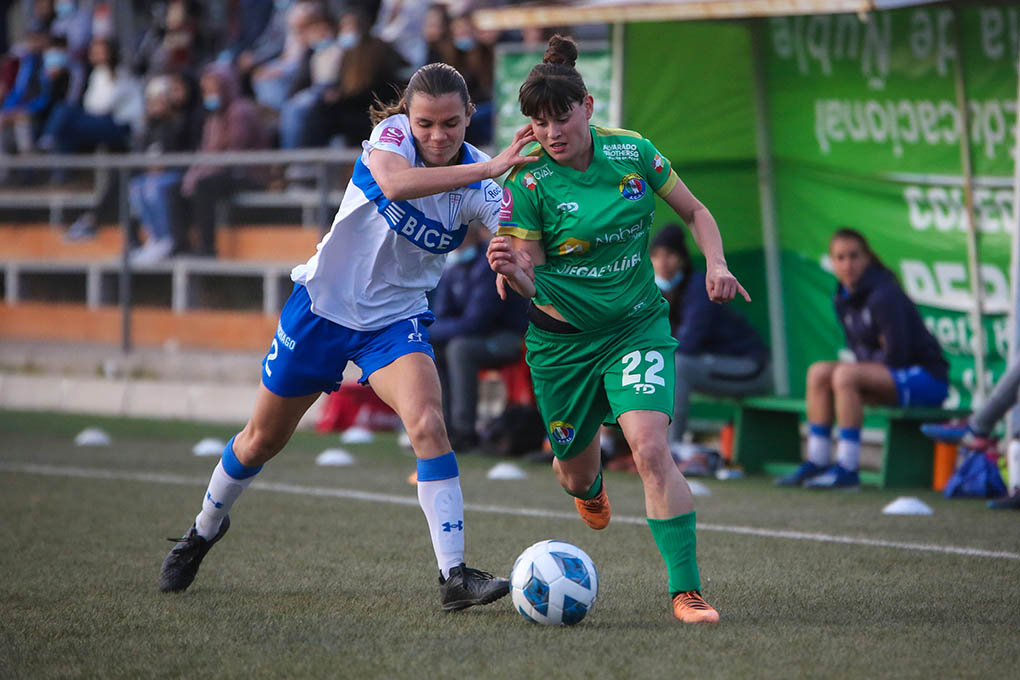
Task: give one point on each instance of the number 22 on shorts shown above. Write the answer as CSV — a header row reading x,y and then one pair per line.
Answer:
x,y
632,376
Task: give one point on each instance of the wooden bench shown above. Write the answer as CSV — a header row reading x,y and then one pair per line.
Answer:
x,y
767,436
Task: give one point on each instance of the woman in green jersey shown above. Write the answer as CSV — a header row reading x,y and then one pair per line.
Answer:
x,y
574,238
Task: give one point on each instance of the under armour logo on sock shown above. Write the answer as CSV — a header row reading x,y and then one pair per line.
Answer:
x,y
450,526
209,496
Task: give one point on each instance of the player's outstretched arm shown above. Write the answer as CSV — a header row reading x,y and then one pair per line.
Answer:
x,y
514,260
400,182
721,285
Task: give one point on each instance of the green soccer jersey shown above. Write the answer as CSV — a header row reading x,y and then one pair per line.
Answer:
x,y
593,226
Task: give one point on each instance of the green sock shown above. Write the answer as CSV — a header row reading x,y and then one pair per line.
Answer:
x,y
592,491
678,544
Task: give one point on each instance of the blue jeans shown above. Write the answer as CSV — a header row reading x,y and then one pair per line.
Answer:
x,y
152,196
296,117
73,130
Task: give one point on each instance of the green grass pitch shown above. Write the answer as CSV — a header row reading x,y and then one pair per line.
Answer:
x,y
316,581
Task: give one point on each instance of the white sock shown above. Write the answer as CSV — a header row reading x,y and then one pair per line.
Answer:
x,y
819,450
219,497
443,505
848,454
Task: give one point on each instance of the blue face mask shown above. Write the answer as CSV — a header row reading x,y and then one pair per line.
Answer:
x,y
322,44
349,39
54,59
211,102
666,285
281,5
464,44
465,254
64,7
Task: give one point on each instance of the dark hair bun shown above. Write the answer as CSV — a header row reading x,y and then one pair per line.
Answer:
x,y
561,50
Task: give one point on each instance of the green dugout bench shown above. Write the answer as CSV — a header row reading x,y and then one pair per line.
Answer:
x,y
767,436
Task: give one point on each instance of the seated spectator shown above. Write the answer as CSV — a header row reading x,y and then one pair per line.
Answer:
x,y
438,39
154,193
399,24
231,124
475,60
719,352
173,40
474,329
269,45
110,111
27,98
975,433
320,68
271,80
368,68
898,362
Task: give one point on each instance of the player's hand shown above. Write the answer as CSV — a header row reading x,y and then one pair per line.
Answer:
x,y
503,260
511,155
722,286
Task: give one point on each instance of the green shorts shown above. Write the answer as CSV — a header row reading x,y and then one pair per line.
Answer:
x,y
583,380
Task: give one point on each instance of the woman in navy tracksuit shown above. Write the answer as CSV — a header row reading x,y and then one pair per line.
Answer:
x,y
899,362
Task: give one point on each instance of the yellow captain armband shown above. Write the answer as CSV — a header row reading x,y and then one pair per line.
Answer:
x,y
668,185
519,232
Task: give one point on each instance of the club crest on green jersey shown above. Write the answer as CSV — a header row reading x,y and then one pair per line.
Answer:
x,y
633,186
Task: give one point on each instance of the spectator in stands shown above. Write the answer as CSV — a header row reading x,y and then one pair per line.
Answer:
x,y
154,194
245,25
399,23
173,40
476,61
271,79
110,111
187,102
368,68
320,68
27,98
269,45
231,124
73,23
719,352
976,433
474,329
898,362
438,40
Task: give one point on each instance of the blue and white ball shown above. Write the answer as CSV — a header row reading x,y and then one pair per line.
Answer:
x,y
554,583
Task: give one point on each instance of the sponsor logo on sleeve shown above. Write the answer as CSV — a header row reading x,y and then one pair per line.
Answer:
x,y
506,207
529,181
492,192
658,163
392,135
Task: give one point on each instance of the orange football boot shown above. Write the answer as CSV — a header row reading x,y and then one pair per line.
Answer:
x,y
690,607
595,511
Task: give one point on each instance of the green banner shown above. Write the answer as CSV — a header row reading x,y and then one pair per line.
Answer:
x,y
513,64
866,133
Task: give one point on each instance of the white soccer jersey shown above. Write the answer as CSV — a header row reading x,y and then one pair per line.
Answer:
x,y
380,257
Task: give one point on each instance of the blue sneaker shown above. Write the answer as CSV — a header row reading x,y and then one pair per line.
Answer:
x,y
834,477
807,470
950,432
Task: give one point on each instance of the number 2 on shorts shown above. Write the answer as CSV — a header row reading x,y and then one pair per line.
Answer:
x,y
273,352
652,378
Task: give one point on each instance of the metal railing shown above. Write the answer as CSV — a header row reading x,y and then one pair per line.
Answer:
x,y
123,164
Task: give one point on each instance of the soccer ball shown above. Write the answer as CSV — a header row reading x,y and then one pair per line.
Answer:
x,y
555,583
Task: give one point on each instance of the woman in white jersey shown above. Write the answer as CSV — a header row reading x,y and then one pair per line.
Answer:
x,y
361,298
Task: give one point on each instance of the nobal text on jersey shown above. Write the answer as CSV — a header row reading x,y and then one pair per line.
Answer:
x,y
595,272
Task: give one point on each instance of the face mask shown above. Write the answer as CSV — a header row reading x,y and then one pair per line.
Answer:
x,y
322,44
349,39
666,285
211,102
64,8
281,5
464,44
54,59
465,254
